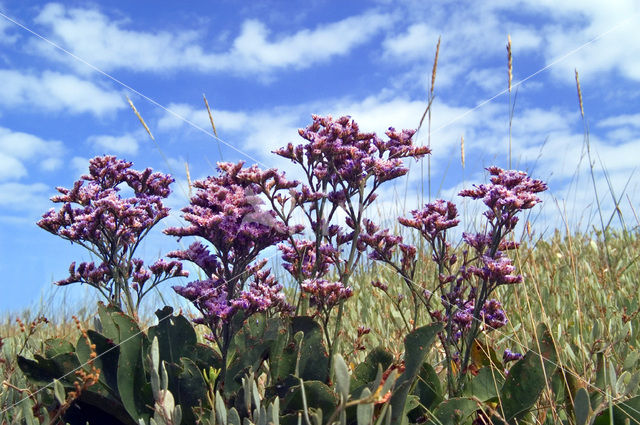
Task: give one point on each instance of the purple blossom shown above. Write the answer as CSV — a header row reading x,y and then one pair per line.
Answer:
x,y
510,191
337,152
382,243
300,258
510,356
226,212
95,215
496,271
326,294
493,315
433,219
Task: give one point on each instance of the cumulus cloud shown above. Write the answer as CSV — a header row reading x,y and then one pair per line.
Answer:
x,y
18,148
56,92
109,44
125,144
569,24
22,197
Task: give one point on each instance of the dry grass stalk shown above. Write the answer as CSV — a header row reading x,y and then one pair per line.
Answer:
x,y
579,94
433,81
135,111
435,67
462,150
186,166
510,61
210,116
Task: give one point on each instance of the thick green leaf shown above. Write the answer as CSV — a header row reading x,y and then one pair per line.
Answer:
x,y
133,389
485,385
187,386
416,346
42,371
55,346
176,336
342,378
251,345
318,396
365,410
581,406
624,412
314,360
453,411
365,373
109,328
528,377
106,360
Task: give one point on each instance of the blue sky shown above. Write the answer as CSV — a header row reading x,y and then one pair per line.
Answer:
x,y
266,66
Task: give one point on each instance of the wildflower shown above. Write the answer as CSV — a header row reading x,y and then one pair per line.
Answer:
x,y
226,213
510,356
326,294
96,216
510,192
433,219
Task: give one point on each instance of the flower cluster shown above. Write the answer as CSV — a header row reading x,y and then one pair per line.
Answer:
x,y
211,297
509,193
326,294
465,290
300,258
338,153
96,216
433,219
226,212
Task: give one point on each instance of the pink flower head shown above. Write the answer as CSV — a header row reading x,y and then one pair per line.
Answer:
x,y
433,218
325,294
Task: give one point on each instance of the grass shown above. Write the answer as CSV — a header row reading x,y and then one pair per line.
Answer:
x,y
589,304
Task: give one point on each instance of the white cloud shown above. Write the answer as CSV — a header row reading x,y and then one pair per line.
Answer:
x,y
418,41
55,92
574,22
11,168
632,120
16,148
79,165
8,34
109,45
22,197
126,144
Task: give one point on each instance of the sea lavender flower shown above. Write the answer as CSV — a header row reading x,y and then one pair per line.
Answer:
x,y
326,294
510,192
496,271
510,356
95,216
226,212
433,219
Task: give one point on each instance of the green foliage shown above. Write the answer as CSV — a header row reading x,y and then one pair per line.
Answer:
x,y
528,377
596,383
130,384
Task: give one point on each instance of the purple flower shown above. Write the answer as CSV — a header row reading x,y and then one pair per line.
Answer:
x,y
325,294
95,215
338,153
510,191
433,219
496,271
493,315
227,212
510,356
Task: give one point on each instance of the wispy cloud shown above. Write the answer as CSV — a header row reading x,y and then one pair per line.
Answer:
x,y
18,148
55,92
126,144
23,197
110,44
